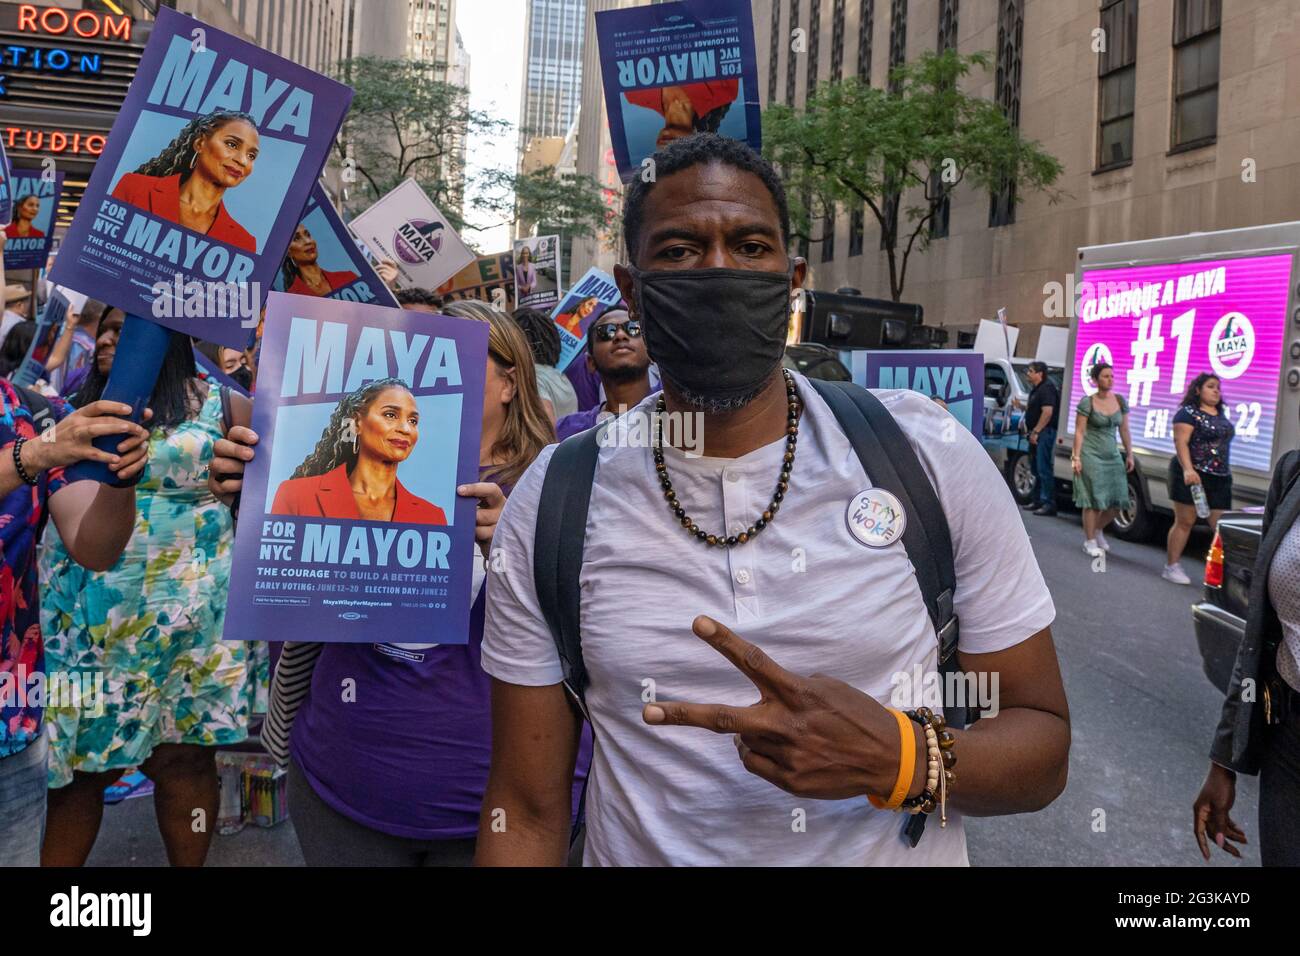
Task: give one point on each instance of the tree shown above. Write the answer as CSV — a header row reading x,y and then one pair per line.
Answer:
x,y
405,122
572,204
854,144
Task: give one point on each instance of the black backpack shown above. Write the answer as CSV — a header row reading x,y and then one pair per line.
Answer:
x,y
886,457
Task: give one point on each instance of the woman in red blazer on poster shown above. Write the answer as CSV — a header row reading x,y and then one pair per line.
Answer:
x,y
187,181
302,272
353,471
26,209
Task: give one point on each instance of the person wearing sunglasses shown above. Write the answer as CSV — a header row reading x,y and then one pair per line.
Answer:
x,y
617,353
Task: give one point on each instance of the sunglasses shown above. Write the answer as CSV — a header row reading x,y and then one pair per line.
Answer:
x,y
606,331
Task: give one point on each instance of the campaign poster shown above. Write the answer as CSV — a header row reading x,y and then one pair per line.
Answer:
x,y
487,278
6,194
537,272
350,526
954,375
594,295
1159,326
325,261
406,228
35,197
49,326
199,188
673,69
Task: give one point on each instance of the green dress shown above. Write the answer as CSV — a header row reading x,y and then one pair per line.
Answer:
x,y
150,627
1103,482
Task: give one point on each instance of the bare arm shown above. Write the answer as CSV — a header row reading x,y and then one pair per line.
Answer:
x,y
1182,438
1127,438
525,819
95,521
1044,419
59,354
1018,760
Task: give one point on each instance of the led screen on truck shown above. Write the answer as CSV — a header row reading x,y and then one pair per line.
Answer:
x,y
1162,325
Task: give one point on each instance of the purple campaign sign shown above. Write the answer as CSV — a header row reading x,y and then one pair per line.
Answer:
x,y
207,116
954,375
324,259
6,189
307,564
673,69
35,209
1160,326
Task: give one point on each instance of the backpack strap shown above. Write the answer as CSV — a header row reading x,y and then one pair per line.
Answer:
x,y
889,461
557,551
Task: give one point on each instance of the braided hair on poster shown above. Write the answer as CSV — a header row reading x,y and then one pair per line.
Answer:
x,y
334,447
179,155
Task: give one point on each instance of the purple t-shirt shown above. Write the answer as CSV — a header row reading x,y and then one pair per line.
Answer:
x,y
586,383
577,422
409,756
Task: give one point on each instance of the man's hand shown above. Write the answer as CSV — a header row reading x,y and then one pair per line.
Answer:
x,y
73,439
229,456
387,271
811,736
491,501
1033,438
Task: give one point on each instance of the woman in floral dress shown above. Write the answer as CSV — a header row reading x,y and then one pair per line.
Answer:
x,y
172,690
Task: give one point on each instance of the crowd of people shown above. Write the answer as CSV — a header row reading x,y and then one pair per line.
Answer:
x,y
691,593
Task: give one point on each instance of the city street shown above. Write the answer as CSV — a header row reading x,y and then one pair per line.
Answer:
x,y
1142,715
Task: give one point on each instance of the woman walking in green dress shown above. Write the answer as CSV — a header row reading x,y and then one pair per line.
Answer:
x,y
1100,482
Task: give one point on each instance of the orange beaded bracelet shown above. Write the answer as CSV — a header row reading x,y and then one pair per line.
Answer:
x,y
906,766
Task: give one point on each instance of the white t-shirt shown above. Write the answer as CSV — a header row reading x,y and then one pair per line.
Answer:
x,y
805,590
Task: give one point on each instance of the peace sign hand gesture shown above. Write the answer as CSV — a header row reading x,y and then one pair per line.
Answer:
x,y
811,736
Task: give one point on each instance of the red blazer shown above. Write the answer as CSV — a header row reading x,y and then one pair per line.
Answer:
x,y
337,280
330,496
161,195
11,231
705,97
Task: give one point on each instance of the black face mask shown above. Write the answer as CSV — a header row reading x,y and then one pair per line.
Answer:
x,y
718,333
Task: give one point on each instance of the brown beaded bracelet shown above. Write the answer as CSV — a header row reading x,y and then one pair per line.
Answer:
x,y
942,779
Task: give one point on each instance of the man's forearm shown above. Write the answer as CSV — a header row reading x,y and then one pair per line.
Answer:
x,y
1016,762
1044,419
511,833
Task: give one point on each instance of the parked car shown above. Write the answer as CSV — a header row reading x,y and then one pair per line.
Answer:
x,y
1006,392
1219,618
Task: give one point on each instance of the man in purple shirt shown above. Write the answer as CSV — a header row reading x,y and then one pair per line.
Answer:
x,y
617,353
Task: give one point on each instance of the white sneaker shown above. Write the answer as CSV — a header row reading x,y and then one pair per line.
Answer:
x,y
1175,574
1091,548
1101,541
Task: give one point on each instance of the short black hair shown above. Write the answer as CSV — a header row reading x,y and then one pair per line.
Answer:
x,y
418,296
1037,366
700,149
542,333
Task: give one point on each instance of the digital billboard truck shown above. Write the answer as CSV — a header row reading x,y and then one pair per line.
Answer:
x,y
1162,311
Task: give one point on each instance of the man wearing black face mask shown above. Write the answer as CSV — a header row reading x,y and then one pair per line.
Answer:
x,y
787,563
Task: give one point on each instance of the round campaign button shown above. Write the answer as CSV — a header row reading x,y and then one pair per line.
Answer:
x,y
876,517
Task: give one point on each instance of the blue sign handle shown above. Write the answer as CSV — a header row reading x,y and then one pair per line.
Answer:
x,y
141,347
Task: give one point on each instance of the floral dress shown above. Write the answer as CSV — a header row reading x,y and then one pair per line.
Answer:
x,y
152,624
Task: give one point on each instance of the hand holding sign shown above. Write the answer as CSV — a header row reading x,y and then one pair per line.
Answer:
x,y
811,736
